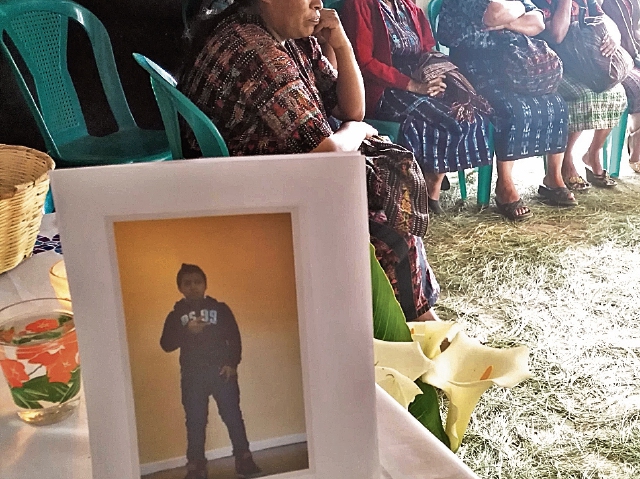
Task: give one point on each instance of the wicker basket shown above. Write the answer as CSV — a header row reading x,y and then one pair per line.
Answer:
x,y
24,182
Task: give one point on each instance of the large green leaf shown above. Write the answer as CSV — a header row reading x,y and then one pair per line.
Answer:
x,y
23,399
40,389
74,385
390,324
38,337
425,409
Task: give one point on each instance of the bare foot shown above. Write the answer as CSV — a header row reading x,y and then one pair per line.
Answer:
x,y
551,181
593,161
505,195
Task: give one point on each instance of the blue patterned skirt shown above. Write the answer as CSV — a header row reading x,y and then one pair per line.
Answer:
x,y
439,142
524,125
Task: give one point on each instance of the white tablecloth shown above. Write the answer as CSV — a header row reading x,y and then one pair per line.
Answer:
x,y
61,451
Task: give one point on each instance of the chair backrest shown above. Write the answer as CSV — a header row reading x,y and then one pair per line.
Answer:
x,y
38,29
433,10
172,102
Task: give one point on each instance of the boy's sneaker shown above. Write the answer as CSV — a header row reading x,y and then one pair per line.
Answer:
x,y
246,468
196,471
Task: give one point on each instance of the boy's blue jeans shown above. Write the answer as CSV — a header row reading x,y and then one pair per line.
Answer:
x,y
197,386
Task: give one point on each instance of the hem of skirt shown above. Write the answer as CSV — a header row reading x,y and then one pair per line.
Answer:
x,y
531,155
470,167
592,126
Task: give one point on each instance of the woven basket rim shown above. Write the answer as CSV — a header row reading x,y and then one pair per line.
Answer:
x,y
18,187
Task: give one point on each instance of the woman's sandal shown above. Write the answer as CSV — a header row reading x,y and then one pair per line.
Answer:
x,y
434,206
576,183
635,166
601,181
560,196
508,210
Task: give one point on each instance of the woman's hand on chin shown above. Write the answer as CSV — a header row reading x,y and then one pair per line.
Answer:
x,y
329,30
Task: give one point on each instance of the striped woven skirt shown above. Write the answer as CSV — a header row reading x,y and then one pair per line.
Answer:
x,y
589,110
439,142
528,125
525,125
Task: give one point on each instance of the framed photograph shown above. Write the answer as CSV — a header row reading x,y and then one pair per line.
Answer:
x,y
223,312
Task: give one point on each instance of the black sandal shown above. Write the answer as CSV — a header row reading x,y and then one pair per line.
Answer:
x,y
434,206
560,196
601,181
508,210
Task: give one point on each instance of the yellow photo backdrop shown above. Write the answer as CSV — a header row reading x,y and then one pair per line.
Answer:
x,y
249,263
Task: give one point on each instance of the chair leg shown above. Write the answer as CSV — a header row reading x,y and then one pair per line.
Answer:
x,y
484,184
613,146
49,207
485,172
462,180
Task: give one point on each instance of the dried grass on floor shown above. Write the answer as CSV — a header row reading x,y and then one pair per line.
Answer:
x,y
567,284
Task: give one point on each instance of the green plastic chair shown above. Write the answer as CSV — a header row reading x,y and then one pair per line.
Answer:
x,y
613,146
392,129
485,171
172,103
38,30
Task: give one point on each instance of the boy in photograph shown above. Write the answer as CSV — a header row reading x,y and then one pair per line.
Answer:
x,y
207,334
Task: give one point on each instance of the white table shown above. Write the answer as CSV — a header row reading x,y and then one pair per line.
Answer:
x,y
61,451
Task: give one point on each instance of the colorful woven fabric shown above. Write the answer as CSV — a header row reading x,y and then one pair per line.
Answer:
x,y
524,125
460,25
404,190
631,86
428,128
589,110
264,97
439,142
404,260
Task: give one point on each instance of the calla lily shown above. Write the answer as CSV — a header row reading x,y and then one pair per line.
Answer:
x,y
465,370
397,385
430,334
398,365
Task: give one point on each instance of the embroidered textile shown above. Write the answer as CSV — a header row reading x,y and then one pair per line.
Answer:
x,y
261,101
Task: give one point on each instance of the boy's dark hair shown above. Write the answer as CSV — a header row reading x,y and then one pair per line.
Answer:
x,y
187,269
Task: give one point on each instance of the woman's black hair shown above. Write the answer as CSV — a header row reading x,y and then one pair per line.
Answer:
x,y
198,31
188,269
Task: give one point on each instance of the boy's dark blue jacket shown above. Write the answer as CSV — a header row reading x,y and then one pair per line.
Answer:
x,y
217,345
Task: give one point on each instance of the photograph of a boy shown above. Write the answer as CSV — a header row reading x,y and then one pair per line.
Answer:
x,y
206,332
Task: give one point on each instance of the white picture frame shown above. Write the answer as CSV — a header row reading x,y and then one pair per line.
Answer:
x,y
325,194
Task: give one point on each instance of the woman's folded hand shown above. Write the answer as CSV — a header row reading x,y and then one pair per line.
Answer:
x,y
431,88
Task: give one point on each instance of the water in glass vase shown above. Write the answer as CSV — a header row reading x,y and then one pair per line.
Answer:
x,y
39,359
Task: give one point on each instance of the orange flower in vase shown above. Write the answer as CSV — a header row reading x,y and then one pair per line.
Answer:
x,y
59,358
42,325
14,372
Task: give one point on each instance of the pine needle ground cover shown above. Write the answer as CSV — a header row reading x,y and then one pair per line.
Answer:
x,y
566,284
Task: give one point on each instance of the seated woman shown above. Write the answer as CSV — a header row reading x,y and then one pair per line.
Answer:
x,y
269,81
526,125
626,15
389,38
587,110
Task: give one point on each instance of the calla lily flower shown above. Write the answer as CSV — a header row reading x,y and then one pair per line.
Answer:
x,y
430,334
397,385
398,365
465,370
